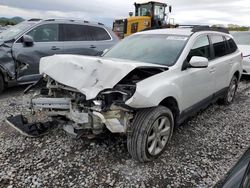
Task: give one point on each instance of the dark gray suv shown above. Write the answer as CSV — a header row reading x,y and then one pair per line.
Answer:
x,y
22,46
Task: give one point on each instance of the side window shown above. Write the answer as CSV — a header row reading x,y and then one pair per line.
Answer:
x,y
201,48
231,44
219,45
98,33
45,33
74,32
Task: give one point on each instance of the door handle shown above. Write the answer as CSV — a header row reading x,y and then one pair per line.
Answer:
x,y
55,48
92,46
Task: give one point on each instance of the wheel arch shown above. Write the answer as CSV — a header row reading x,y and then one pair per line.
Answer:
x,y
172,104
237,74
4,74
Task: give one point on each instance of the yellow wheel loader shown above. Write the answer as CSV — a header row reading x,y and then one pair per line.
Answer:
x,y
150,15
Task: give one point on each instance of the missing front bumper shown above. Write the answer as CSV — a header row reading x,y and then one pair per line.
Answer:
x,y
36,129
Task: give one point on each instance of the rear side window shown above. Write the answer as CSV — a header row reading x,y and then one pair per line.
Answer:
x,y
231,45
98,33
219,45
200,48
73,32
45,33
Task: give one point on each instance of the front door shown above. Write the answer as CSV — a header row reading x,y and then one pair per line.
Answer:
x,y
197,83
46,43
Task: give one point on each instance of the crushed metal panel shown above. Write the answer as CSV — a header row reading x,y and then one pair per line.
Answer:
x,y
89,75
6,61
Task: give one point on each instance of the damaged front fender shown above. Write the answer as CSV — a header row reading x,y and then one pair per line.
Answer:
x,y
7,63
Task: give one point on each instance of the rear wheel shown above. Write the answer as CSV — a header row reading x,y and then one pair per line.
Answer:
x,y
1,83
151,131
230,94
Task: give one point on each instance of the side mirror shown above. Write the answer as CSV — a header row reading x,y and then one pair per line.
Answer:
x,y
198,62
27,40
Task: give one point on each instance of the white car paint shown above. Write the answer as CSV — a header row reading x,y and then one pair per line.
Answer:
x,y
89,75
190,86
245,49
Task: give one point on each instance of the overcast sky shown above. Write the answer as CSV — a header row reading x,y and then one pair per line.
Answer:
x,y
184,11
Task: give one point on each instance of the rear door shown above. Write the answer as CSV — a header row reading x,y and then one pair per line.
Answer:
x,y
221,63
101,38
46,43
85,39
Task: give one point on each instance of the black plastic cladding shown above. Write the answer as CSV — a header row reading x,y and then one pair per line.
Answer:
x,y
207,28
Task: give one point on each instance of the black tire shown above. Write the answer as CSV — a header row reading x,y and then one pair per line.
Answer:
x,y
231,91
1,83
142,127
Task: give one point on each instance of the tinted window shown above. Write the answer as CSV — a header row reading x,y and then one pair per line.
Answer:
x,y
45,33
219,46
200,48
149,48
75,32
98,33
231,44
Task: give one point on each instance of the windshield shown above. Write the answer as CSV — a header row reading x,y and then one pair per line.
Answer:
x,y
149,48
242,38
15,31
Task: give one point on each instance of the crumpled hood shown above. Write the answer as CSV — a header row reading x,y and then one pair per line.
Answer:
x,y
245,49
89,75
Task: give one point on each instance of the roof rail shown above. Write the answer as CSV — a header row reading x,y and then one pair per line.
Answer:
x,y
207,28
197,28
58,19
34,19
187,25
64,19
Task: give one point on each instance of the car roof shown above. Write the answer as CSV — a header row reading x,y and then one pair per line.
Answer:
x,y
64,20
169,31
186,31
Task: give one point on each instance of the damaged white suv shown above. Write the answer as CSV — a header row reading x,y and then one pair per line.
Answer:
x,y
143,87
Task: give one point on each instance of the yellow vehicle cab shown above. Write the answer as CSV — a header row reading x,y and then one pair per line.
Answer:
x,y
147,15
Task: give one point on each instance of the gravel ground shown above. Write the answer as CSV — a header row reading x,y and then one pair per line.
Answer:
x,y
202,150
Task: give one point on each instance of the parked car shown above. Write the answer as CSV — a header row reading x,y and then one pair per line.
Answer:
x,y
243,41
143,87
239,175
22,46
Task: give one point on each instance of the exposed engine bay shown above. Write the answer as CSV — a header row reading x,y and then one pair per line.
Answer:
x,y
69,107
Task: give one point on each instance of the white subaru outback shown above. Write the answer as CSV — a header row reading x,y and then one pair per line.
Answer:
x,y
143,87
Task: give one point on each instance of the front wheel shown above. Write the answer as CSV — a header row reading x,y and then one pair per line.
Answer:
x,y
150,133
230,94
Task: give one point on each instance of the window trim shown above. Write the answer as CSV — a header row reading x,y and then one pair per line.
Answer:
x,y
212,46
229,48
184,64
63,33
35,26
58,33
